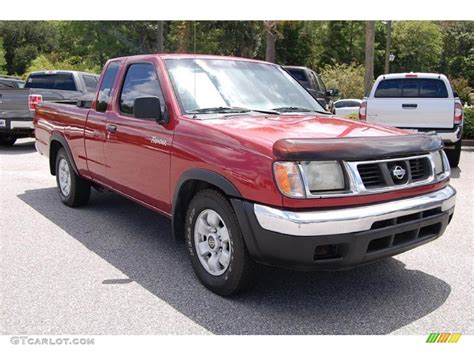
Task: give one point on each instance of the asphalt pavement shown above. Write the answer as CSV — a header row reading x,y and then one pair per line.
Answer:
x,y
112,268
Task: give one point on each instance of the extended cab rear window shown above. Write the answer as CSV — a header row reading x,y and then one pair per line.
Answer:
x,y
427,88
57,81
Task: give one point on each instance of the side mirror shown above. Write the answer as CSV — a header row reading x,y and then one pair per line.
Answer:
x,y
332,92
455,94
148,107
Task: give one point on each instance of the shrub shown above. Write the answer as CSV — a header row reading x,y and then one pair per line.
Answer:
x,y
461,86
468,123
352,116
348,79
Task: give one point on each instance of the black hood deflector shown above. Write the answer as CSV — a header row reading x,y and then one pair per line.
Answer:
x,y
356,148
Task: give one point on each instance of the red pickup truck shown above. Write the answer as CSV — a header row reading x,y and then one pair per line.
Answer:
x,y
248,166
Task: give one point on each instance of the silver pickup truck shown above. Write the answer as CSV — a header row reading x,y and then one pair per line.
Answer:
x,y
17,103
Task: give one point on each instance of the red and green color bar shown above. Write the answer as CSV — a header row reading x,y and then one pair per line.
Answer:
x,y
443,338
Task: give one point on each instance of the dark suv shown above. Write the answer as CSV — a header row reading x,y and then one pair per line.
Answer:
x,y
314,84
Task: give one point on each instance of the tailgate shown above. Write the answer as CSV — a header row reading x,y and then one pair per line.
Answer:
x,y
14,103
411,112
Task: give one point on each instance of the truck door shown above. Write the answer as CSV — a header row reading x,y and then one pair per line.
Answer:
x,y
95,131
138,150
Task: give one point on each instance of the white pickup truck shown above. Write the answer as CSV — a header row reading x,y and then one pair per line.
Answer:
x,y
417,101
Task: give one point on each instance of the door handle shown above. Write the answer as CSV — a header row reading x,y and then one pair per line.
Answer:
x,y
409,105
111,128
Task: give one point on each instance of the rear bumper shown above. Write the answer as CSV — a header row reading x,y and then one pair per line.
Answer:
x,y
449,136
17,126
343,238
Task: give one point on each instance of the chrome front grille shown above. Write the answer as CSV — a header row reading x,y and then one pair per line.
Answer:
x,y
371,175
394,172
419,168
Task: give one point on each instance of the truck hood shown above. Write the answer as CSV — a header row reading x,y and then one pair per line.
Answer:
x,y
261,132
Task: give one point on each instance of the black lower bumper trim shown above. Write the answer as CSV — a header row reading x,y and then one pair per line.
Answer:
x,y
340,251
19,132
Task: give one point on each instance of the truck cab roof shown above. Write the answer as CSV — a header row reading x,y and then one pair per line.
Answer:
x,y
412,75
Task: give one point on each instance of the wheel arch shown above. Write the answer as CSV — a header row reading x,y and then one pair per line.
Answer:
x,y
191,182
57,142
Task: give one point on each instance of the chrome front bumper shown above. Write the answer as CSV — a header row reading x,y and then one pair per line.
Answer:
x,y
351,219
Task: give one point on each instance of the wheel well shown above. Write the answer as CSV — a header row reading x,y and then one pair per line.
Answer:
x,y
53,152
186,193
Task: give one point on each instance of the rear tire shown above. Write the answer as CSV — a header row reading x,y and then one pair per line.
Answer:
x,y
216,246
73,190
454,155
7,141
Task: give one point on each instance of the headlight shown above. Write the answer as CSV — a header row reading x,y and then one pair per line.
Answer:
x,y
288,179
438,162
323,175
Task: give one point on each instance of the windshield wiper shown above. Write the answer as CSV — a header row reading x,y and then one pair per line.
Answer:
x,y
298,109
223,109
219,109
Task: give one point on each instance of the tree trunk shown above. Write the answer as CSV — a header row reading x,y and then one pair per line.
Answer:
x,y
387,47
271,30
369,56
270,52
160,45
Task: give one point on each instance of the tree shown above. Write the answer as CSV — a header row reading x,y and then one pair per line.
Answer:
x,y
457,59
417,46
343,42
388,47
271,33
296,43
369,56
3,62
23,41
160,46
238,38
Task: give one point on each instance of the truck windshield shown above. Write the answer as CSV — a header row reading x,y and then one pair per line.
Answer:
x,y
219,85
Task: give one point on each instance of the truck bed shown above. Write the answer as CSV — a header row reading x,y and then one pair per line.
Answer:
x,y
64,118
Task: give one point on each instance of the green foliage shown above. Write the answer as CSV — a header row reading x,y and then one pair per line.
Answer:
x,y
23,41
468,123
296,42
3,62
461,86
352,116
457,59
74,63
417,46
349,79
446,47
343,42
236,38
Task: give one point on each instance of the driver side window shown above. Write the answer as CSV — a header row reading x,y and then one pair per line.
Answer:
x,y
140,80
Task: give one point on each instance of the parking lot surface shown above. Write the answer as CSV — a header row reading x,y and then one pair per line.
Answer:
x,y
112,268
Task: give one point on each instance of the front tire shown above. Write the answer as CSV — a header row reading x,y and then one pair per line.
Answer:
x,y
454,155
73,190
215,244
